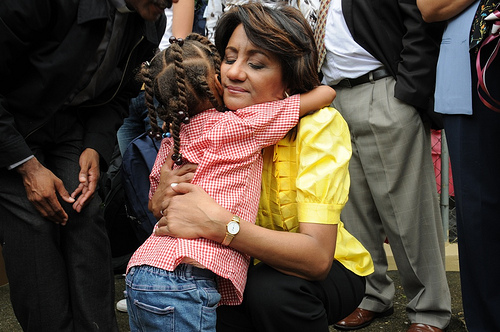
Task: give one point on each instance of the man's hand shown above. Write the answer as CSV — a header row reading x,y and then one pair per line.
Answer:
x,y
88,177
42,187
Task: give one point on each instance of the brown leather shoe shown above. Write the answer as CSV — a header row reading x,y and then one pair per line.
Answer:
x,y
417,327
360,318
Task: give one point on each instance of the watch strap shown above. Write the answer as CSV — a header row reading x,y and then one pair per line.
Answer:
x,y
229,237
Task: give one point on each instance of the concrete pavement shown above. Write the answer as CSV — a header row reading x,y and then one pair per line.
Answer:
x,y
398,322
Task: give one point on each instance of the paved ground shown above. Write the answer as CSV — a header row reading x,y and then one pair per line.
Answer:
x,y
398,322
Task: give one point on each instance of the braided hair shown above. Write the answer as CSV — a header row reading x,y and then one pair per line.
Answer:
x,y
181,79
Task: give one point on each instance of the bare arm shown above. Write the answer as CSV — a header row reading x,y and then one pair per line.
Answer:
x,y
440,10
182,18
159,202
308,254
317,98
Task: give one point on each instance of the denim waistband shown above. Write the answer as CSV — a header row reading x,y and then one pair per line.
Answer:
x,y
182,270
191,270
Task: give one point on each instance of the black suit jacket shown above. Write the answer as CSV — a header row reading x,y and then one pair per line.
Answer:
x,y
45,48
395,34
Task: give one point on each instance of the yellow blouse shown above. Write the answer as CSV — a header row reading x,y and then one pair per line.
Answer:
x,y
314,187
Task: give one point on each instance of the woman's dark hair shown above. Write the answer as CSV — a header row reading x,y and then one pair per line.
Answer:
x,y
282,31
180,78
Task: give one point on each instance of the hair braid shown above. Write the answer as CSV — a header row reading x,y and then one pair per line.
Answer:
x,y
145,74
216,61
181,79
178,109
212,55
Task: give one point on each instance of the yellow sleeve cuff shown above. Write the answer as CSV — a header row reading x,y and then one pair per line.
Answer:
x,y
318,213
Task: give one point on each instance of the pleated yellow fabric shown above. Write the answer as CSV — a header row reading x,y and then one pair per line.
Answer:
x,y
313,188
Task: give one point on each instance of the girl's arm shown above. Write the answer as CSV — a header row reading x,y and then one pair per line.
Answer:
x,y
319,97
440,10
164,192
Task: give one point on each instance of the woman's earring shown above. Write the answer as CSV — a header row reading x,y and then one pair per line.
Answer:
x,y
286,94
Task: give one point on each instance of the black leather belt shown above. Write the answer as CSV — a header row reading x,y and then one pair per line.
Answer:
x,y
189,270
368,77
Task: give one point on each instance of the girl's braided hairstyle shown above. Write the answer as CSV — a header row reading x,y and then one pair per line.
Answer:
x,y
181,78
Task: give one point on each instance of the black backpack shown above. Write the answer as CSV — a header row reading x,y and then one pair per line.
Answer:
x,y
125,194
138,160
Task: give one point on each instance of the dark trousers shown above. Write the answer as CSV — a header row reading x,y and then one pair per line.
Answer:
x,y
474,145
60,276
275,302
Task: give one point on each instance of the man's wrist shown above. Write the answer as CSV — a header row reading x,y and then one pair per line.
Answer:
x,y
28,166
19,163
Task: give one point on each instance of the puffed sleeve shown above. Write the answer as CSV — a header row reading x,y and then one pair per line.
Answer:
x,y
324,147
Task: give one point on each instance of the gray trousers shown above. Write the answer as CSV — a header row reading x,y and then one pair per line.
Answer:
x,y
60,277
393,194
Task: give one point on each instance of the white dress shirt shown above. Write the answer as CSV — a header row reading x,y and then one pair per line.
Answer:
x,y
344,57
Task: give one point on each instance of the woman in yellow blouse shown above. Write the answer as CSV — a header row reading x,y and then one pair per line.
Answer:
x,y
309,270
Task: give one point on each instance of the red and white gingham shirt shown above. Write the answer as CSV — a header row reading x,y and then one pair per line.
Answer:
x,y
227,148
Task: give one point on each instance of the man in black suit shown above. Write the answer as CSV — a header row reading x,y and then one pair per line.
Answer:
x,y
67,73
381,59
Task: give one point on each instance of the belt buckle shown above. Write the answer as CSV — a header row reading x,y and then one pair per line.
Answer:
x,y
348,83
370,77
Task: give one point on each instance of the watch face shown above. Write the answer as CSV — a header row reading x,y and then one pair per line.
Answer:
x,y
233,227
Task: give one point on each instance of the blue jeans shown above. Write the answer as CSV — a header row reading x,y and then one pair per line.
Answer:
x,y
181,300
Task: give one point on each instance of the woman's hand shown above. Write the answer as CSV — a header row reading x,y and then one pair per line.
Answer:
x,y
193,214
182,218
164,192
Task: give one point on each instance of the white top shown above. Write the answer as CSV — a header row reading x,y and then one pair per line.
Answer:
x,y
344,57
164,43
